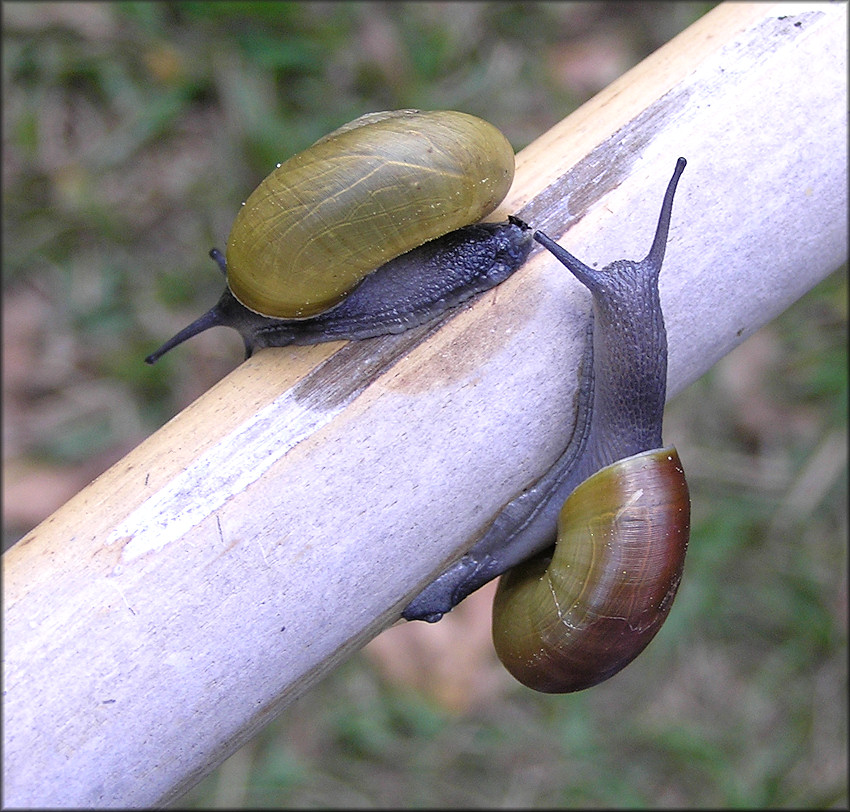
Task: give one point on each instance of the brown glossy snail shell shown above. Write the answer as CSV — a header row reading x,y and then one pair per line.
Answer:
x,y
570,621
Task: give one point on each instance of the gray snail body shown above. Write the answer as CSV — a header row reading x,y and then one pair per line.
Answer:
x,y
371,230
570,614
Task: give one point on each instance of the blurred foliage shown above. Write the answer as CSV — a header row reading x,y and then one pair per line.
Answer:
x,y
132,130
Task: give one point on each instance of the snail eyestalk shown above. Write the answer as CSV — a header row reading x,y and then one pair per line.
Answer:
x,y
212,318
659,245
219,259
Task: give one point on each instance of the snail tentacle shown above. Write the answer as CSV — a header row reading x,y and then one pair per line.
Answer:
x,y
212,318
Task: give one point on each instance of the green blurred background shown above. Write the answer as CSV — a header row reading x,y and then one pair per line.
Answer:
x,y
131,133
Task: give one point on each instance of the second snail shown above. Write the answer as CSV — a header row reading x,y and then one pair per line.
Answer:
x,y
591,555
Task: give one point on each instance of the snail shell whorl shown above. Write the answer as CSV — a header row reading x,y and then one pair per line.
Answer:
x,y
571,623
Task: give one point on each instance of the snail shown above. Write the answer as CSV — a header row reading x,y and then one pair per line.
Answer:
x,y
371,230
570,616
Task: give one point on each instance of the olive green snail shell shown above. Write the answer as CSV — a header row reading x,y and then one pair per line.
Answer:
x,y
570,623
362,195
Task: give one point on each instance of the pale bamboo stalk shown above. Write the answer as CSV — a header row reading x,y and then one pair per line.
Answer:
x,y
168,611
